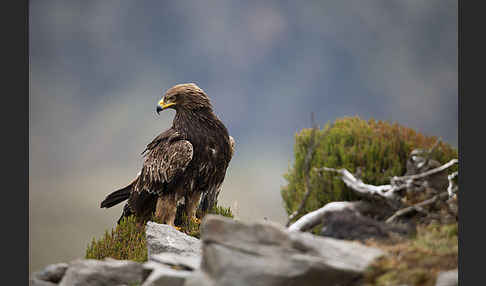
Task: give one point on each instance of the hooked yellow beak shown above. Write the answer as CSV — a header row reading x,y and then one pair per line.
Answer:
x,y
161,105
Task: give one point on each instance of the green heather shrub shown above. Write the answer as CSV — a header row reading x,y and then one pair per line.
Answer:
x,y
126,241
380,148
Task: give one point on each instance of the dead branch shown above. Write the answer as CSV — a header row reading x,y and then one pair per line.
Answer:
x,y
306,170
436,144
417,207
452,188
314,218
388,193
430,151
407,179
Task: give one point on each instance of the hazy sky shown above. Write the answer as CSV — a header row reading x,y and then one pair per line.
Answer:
x,y
98,68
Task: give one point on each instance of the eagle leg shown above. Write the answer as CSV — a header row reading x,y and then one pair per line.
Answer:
x,y
166,209
191,204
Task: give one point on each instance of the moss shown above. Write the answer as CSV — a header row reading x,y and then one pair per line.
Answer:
x,y
379,148
418,260
126,241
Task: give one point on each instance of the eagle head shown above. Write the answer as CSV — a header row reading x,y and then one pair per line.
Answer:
x,y
186,96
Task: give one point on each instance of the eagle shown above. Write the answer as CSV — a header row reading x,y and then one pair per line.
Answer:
x,y
186,162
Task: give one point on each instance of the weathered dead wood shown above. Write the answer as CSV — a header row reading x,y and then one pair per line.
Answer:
x,y
417,207
314,218
388,193
430,151
407,179
452,188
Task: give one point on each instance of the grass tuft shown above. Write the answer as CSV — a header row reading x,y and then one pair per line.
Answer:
x,y
418,260
126,242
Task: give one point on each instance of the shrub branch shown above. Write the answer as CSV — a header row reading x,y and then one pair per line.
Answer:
x,y
401,180
307,164
417,207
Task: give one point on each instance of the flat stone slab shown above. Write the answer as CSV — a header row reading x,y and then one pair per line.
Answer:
x,y
93,272
162,238
182,261
164,275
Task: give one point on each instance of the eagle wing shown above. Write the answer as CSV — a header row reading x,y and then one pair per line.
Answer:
x,y
209,198
167,157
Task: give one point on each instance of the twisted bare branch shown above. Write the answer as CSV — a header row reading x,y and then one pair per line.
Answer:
x,y
306,171
417,207
400,180
388,193
452,188
314,218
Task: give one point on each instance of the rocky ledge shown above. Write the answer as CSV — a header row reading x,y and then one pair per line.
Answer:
x,y
229,253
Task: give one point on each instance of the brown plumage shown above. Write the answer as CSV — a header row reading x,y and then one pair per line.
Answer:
x,y
188,161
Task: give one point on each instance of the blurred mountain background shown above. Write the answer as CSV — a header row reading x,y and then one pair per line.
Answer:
x,y
98,68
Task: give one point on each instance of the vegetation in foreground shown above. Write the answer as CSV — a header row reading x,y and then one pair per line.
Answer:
x,y
418,260
126,241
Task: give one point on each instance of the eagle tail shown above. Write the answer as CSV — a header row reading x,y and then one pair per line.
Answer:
x,y
116,197
126,212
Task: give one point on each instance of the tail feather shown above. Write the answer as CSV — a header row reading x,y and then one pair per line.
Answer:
x,y
126,213
116,197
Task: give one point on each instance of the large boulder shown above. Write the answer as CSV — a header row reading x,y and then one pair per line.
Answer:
x,y
236,253
92,272
52,273
162,238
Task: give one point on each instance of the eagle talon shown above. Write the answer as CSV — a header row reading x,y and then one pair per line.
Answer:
x,y
196,220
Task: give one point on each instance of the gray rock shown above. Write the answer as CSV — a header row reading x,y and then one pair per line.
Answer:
x,y
170,268
354,226
163,238
52,273
180,261
236,253
448,278
38,282
164,275
102,272
199,278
